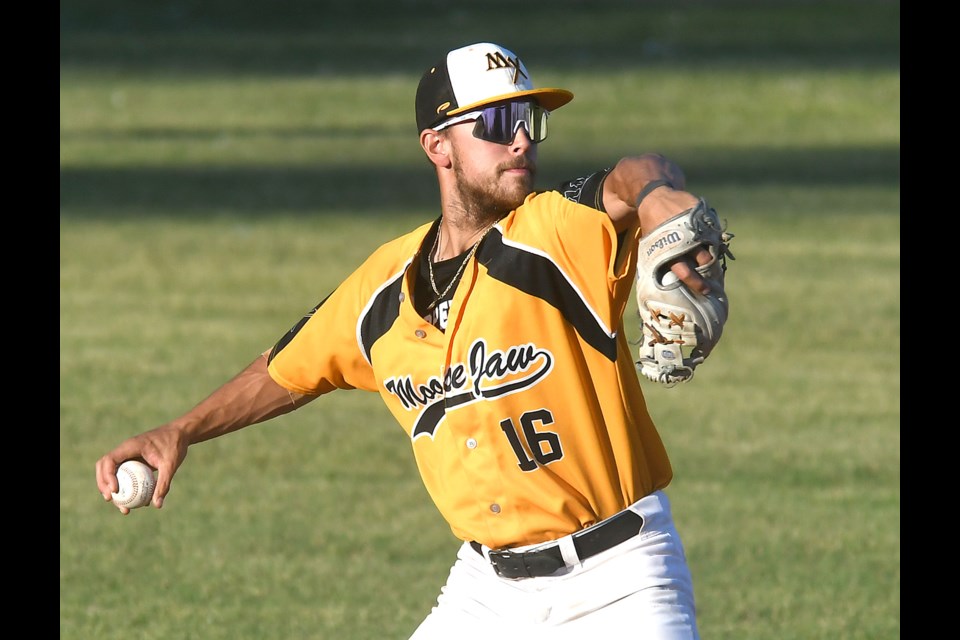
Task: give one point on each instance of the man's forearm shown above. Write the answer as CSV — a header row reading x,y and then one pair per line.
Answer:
x,y
627,181
250,397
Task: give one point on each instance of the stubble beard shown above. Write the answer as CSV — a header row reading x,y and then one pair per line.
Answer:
x,y
488,199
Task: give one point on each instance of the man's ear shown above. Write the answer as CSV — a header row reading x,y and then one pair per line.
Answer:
x,y
436,147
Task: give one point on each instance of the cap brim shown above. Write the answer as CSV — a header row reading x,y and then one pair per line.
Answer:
x,y
549,99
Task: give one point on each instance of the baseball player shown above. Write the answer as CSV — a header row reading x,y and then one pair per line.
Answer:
x,y
494,335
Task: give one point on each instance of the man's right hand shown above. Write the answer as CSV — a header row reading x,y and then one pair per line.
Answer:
x,y
163,448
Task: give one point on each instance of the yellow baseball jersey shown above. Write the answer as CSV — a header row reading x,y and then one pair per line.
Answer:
x,y
525,415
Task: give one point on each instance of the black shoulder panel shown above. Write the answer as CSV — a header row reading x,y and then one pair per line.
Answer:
x,y
380,316
289,335
538,276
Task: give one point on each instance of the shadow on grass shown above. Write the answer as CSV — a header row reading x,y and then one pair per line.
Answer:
x,y
250,191
218,37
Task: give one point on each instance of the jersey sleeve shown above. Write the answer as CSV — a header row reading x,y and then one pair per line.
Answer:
x,y
319,353
586,190
325,349
581,241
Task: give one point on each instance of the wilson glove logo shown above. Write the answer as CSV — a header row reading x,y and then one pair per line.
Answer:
x,y
668,239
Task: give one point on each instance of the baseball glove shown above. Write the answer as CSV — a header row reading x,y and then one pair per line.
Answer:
x,y
680,327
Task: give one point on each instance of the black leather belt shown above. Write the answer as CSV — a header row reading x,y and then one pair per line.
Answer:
x,y
548,560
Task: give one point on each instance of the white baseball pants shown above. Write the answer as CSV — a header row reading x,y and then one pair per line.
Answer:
x,y
640,588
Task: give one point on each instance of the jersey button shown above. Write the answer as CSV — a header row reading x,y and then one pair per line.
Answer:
x,y
402,297
471,443
495,508
420,333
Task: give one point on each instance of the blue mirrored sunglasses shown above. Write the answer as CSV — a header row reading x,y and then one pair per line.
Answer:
x,y
499,123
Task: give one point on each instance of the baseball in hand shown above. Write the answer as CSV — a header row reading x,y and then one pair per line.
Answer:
x,y
137,483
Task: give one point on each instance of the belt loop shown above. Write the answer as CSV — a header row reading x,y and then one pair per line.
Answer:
x,y
479,548
569,551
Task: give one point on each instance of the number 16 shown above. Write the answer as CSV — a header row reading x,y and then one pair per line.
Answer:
x,y
545,445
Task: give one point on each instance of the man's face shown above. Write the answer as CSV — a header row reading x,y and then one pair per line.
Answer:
x,y
492,177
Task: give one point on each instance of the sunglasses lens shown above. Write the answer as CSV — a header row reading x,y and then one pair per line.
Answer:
x,y
500,123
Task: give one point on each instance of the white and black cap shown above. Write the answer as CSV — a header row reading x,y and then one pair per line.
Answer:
x,y
474,76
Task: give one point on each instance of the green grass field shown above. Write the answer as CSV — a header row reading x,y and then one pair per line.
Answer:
x,y
224,165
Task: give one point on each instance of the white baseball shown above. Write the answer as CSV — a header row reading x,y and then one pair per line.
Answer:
x,y
137,483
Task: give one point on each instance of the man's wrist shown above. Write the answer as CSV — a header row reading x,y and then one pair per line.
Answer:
x,y
650,186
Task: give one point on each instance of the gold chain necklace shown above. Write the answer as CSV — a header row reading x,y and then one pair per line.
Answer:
x,y
456,276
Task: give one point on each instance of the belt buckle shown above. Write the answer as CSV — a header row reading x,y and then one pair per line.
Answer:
x,y
508,564
529,564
